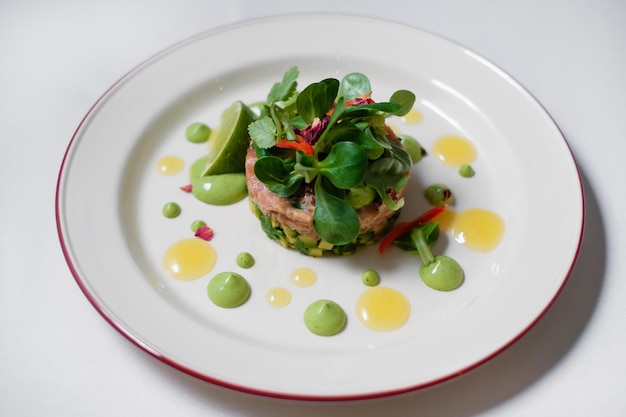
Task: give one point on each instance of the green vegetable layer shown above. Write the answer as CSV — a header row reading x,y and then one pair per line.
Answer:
x,y
290,238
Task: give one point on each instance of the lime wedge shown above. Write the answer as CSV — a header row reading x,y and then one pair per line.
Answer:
x,y
228,146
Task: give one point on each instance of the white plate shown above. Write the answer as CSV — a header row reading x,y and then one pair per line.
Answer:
x,y
113,235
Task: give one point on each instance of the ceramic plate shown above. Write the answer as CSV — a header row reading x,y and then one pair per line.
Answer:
x,y
113,234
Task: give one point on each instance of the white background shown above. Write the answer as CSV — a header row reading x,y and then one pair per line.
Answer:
x,y
58,357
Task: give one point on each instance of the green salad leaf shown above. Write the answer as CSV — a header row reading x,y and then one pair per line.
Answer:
x,y
386,176
307,166
354,85
405,99
333,136
317,99
345,166
334,219
277,174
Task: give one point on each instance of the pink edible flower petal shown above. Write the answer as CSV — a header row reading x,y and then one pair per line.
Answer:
x,y
205,232
186,188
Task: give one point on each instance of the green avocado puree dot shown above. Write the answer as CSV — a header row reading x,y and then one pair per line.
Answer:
x,y
443,274
222,189
370,277
466,171
196,224
197,133
412,147
324,318
228,290
245,260
171,210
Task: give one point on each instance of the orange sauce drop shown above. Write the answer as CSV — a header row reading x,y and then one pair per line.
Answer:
x,y
189,259
383,309
454,150
170,165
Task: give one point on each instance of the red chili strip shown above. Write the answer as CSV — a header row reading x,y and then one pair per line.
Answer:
x,y
298,144
364,98
405,227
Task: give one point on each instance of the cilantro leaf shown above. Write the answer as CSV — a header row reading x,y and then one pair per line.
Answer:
x,y
283,90
263,132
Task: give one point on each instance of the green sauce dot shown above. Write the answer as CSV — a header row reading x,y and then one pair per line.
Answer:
x,y
197,224
171,210
466,171
370,277
198,133
245,260
443,274
228,290
325,318
412,147
439,195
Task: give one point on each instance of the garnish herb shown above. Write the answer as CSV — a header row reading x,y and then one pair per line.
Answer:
x,y
331,135
439,272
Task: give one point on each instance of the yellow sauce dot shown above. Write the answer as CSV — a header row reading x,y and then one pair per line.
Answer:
x,y
477,229
189,259
413,117
303,277
170,165
383,309
454,150
278,297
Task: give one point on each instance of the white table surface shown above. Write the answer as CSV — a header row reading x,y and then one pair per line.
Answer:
x,y
58,357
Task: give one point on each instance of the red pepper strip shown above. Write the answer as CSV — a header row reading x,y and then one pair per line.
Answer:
x,y
357,101
298,144
405,227
364,98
